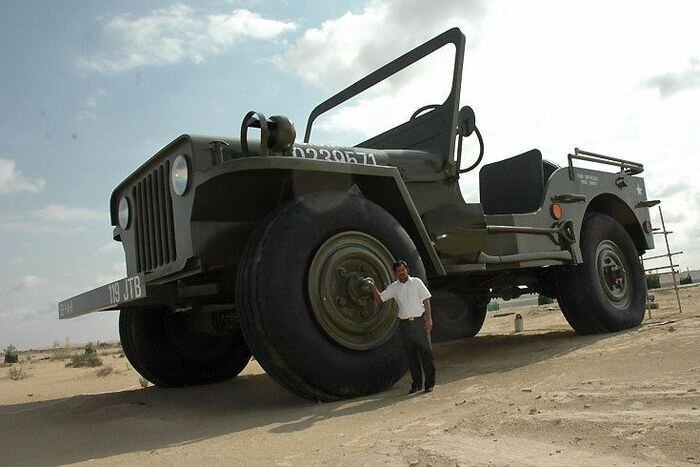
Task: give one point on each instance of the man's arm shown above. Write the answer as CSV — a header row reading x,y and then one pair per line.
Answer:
x,y
375,293
428,315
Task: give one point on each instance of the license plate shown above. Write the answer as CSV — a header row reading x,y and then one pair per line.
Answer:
x,y
107,297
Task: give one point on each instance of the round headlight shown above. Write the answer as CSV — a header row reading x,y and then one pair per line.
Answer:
x,y
180,175
124,213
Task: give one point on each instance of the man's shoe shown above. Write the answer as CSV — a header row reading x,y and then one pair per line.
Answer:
x,y
430,389
414,389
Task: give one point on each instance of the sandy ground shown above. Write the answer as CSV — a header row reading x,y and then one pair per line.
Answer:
x,y
542,397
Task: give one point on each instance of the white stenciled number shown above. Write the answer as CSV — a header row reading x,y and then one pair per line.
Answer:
x,y
367,158
66,308
338,156
334,155
113,292
313,152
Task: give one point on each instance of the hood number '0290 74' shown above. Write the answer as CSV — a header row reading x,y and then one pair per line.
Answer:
x,y
334,154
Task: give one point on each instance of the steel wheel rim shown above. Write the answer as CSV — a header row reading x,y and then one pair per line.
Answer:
x,y
341,304
613,274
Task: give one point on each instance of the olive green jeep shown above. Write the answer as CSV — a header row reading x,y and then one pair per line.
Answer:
x,y
262,246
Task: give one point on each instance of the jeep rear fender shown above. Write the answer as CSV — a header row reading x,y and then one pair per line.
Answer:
x,y
616,208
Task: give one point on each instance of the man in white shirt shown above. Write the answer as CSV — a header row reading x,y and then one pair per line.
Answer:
x,y
415,323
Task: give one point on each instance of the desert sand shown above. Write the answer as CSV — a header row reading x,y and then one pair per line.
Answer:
x,y
542,397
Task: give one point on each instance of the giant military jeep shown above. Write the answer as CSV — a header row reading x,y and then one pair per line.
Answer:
x,y
263,246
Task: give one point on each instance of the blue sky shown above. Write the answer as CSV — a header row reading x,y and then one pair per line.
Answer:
x,y
89,90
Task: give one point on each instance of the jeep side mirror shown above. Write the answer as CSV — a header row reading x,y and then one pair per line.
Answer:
x,y
466,125
466,121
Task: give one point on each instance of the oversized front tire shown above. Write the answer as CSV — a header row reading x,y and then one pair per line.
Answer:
x,y
165,349
456,316
607,292
305,311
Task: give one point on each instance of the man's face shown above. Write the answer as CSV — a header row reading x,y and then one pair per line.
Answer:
x,y
401,273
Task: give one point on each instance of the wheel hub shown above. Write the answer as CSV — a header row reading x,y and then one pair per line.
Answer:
x,y
613,274
340,295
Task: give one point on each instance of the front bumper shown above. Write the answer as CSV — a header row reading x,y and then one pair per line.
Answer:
x,y
127,292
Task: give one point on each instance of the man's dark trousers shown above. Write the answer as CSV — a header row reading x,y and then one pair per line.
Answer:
x,y
416,341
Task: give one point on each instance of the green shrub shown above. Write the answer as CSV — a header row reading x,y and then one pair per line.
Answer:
x,y
653,281
493,306
61,354
544,300
18,372
90,349
11,355
81,361
105,371
686,280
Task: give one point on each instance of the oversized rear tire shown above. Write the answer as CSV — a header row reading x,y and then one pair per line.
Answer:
x,y
456,316
303,310
607,292
164,348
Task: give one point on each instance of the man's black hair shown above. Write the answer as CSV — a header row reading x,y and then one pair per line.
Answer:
x,y
400,263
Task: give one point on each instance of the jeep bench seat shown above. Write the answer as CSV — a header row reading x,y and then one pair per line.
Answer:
x,y
515,185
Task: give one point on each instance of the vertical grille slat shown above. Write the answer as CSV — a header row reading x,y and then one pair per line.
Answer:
x,y
158,244
146,235
169,213
137,225
164,248
148,243
153,220
143,232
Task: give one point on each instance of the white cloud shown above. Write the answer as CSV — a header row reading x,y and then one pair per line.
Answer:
x,y
60,213
118,272
88,110
335,54
344,49
53,218
367,114
672,189
31,281
12,180
671,83
13,316
38,227
9,316
110,248
177,34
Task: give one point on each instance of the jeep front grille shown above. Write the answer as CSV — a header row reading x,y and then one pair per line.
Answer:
x,y
153,220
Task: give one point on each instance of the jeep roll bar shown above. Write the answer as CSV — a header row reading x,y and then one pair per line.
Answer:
x,y
449,107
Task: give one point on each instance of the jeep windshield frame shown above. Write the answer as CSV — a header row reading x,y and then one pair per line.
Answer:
x,y
425,131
